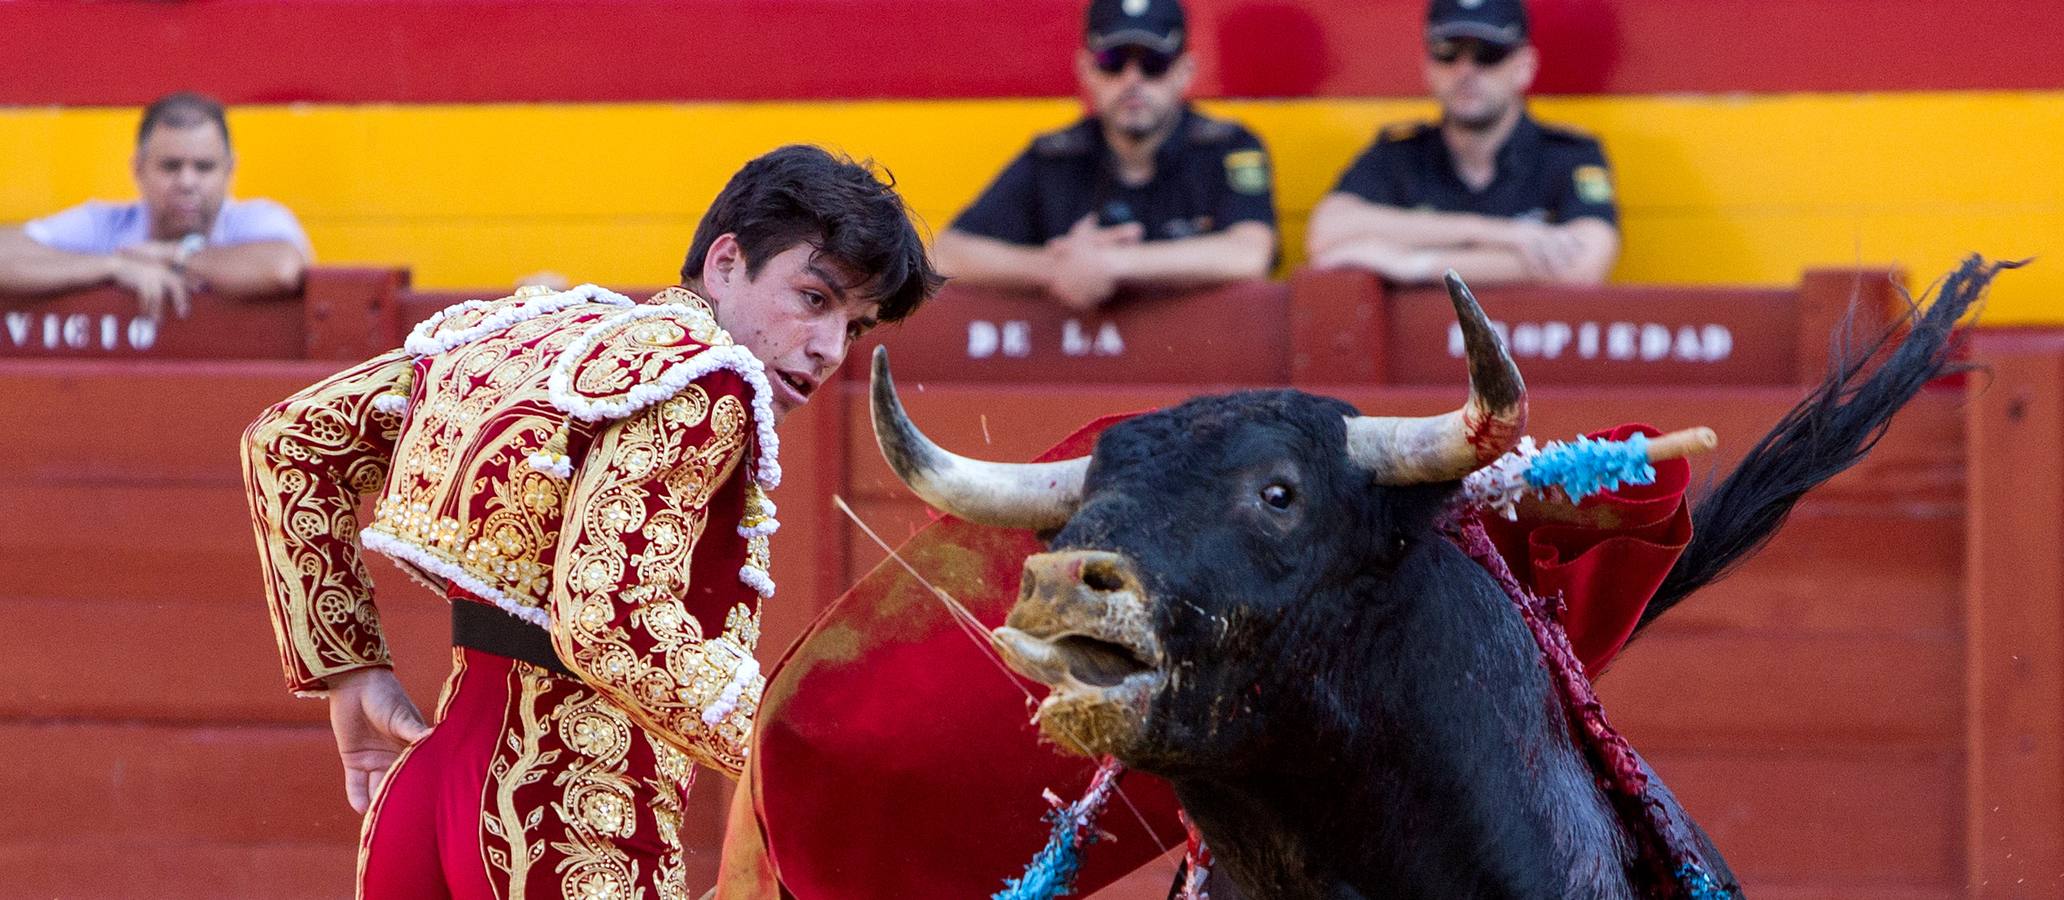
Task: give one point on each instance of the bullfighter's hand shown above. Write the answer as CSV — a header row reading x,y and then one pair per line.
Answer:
x,y
374,721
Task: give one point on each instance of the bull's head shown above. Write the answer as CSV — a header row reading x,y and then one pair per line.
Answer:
x,y
1202,549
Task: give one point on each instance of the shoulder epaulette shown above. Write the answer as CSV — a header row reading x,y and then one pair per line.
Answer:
x,y
1073,140
644,355
1207,130
464,323
1403,131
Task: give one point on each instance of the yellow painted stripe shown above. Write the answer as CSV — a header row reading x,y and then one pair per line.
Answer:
x,y
1713,189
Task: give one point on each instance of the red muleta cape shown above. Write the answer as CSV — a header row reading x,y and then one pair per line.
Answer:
x,y
894,758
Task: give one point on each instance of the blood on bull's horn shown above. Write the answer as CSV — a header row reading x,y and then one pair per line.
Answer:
x,y
1038,496
1402,451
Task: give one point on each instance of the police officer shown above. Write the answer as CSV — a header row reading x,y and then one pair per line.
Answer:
x,y
1144,191
1487,191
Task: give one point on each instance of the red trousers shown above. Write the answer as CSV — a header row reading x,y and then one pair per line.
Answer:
x,y
529,785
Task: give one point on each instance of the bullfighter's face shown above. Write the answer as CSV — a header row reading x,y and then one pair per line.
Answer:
x,y
798,313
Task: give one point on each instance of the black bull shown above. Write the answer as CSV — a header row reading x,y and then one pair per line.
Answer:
x,y
1249,595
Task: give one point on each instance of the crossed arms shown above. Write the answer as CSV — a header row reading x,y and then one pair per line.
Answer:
x,y
1415,246
1085,267
152,270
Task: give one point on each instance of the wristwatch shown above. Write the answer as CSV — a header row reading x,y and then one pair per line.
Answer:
x,y
188,246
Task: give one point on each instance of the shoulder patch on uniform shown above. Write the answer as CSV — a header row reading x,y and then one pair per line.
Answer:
x,y
621,364
1073,140
464,323
1207,130
1247,171
1403,131
1593,183
646,354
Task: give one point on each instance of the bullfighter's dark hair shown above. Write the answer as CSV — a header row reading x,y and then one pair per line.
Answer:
x,y
802,194
1826,433
184,109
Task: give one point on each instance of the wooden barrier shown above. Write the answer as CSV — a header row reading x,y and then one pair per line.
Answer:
x,y
1639,335
1345,328
2014,619
1318,328
341,314
1236,334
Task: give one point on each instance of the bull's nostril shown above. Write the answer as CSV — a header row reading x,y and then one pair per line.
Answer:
x,y
1102,575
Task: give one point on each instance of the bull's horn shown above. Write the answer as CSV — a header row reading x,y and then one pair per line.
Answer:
x,y
1447,447
1038,496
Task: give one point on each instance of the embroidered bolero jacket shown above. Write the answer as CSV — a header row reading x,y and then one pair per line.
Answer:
x,y
593,466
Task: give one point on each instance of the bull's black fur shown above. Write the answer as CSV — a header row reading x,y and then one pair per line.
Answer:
x,y
1829,431
1355,709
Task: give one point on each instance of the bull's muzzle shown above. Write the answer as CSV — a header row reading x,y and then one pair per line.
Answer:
x,y
1081,627
1081,621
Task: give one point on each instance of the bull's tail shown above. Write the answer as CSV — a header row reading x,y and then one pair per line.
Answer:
x,y
1829,431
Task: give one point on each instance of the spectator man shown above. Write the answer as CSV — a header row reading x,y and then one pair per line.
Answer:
x,y
182,233
1142,191
1488,190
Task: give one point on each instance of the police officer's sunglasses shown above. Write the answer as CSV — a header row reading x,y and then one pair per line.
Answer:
x,y
1483,53
1152,63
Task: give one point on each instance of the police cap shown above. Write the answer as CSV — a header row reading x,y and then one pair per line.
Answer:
x,y
1496,21
1155,24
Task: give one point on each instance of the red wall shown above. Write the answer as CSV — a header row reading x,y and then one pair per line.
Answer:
x,y
421,51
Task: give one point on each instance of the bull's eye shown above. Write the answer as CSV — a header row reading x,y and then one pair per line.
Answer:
x,y
1277,496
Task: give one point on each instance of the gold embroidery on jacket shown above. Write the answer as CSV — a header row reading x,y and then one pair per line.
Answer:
x,y
305,461
637,351
759,550
464,493
629,549
614,366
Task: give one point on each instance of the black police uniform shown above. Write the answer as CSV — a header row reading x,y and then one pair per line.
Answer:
x,y
1544,172
1209,174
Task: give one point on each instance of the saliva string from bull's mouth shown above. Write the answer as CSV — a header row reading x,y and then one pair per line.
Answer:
x,y
979,633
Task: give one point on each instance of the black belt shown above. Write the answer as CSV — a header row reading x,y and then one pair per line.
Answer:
x,y
490,630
